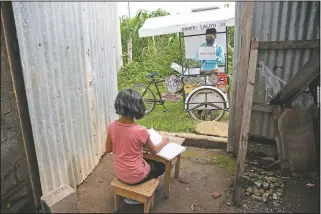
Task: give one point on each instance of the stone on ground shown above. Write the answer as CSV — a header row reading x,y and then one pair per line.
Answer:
x,y
212,128
60,200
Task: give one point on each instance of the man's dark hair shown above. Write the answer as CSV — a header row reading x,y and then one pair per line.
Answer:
x,y
129,103
211,31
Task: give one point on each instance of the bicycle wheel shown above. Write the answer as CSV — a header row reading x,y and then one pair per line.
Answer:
x,y
206,112
147,95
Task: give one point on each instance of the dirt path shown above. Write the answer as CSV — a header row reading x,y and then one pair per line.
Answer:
x,y
203,177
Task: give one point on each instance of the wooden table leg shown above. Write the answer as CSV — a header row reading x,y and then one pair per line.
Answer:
x,y
177,166
147,205
152,201
116,199
167,179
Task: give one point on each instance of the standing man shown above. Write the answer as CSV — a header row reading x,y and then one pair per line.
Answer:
x,y
211,66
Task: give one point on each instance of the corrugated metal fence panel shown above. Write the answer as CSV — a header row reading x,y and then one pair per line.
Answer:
x,y
279,21
62,44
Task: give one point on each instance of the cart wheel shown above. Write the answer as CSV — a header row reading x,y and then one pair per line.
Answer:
x,y
206,113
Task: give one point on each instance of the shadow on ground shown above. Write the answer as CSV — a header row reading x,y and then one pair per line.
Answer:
x,y
204,178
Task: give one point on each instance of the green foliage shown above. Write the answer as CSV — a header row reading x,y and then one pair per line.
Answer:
x,y
151,54
155,54
129,29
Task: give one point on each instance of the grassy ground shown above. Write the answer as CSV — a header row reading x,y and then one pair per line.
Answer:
x,y
174,120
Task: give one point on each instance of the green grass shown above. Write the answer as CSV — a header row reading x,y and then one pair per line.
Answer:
x,y
225,161
174,120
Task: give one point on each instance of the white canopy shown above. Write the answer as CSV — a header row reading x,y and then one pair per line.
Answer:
x,y
219,19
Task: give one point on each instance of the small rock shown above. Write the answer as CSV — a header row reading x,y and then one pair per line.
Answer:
x,y
262,191
229,203
100,181
310,185
257,198
257,192
269,174
258,184
279,194
272,186
265,185
183,181
275,197
216,195
276,204
264,198
272,179
282,186
280,190
187,189
247,193
267,194
247,178
250,190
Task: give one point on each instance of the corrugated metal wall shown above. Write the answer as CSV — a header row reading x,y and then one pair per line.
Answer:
x,y
278,21
69,65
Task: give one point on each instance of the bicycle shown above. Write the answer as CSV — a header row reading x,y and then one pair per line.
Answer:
x,y
214,100
148,95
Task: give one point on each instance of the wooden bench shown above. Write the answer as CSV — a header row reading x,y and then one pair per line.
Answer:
x,y
144,192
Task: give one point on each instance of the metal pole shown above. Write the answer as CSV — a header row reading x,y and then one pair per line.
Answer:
x,y
227,43
128,10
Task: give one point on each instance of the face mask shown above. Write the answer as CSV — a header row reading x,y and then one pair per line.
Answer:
x,y
210,40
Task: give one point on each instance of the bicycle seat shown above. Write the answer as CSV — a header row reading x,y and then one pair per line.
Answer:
x,y
152,75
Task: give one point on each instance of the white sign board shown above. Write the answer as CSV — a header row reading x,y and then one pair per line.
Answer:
x,y
192,43
207,53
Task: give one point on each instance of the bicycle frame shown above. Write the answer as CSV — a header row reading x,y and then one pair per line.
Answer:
x,y
153,81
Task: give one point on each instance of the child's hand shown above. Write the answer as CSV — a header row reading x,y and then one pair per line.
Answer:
x,y
165,139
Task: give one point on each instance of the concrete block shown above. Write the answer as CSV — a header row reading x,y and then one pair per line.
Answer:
x,y
61,200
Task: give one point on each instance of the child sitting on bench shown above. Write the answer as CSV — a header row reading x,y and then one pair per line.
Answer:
x,y
126,139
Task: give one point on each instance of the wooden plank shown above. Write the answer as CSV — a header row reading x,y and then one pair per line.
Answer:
x,y
262,107
177,166
292,44
145,189
167,179
299,82
246,118
241,77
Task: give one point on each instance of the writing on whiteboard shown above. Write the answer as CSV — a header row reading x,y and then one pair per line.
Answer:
x,y
207,53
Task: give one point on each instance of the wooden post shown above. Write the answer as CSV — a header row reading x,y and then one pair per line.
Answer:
x,y
241,77
130,50
246,119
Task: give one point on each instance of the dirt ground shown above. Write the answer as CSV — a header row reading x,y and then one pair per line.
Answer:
x,y
203,178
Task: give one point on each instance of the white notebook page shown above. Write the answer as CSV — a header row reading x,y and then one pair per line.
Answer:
x,y
154,136
171,150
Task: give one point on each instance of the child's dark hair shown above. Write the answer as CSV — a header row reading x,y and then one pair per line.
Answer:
x,y
130,104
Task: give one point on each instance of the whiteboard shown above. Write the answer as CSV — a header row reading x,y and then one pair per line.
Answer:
x,y
192,43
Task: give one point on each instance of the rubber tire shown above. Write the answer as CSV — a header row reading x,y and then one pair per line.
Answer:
x,y
218,118
148,90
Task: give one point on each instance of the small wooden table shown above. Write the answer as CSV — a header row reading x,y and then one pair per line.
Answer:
x,y
169,164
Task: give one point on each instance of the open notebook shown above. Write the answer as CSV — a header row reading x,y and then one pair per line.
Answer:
x,y
170,151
